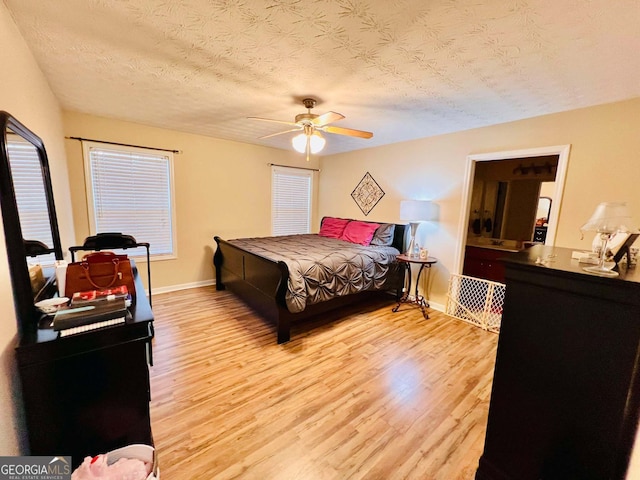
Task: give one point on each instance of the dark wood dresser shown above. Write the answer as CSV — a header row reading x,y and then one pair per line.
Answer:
x,y
88,393
566,391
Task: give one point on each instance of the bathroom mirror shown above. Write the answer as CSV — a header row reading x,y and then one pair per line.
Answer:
x,y
505,196
28,213
508,209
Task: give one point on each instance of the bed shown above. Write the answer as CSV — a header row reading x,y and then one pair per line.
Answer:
x,y
292,277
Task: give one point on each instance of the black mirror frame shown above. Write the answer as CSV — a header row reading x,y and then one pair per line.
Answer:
x,y
26,313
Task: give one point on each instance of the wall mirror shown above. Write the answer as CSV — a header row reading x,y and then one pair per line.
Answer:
x,y
544,211
28,213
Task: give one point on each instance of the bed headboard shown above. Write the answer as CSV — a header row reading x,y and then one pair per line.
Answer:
x,y
399,233
398,237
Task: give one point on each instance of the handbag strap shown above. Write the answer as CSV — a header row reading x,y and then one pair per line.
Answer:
x,y
99,257
87,268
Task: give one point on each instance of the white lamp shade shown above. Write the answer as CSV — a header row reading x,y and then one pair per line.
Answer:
x,y
609,217
316,142
418,210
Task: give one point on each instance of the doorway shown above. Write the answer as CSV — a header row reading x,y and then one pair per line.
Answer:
x,y
525,159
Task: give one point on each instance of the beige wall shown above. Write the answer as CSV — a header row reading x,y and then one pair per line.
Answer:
x,y
221,188
25,93
603,166
210,171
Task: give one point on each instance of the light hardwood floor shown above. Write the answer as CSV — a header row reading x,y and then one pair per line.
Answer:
x,y
363,394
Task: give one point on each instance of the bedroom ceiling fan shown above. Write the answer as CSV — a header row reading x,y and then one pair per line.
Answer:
x,y
310,125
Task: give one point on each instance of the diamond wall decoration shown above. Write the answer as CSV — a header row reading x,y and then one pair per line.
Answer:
x,y
367,193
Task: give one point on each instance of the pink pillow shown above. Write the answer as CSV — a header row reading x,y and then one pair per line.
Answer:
x,y
332,227
359,232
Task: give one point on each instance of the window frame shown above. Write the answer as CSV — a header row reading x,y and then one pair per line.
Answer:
x,y
87,146
294,171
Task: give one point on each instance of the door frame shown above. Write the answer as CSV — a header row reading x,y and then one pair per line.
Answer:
x,y
561,171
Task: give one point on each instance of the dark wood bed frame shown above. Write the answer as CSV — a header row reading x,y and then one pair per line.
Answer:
x,y
262,283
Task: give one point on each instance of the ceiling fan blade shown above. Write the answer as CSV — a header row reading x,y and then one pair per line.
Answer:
x,y
347,131
271,120
280,133
327,118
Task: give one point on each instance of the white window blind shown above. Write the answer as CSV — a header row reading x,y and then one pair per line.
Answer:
x,y
290,200
130,192
28,184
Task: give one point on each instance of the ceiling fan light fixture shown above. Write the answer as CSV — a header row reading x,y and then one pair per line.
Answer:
x,y
299,142
316,142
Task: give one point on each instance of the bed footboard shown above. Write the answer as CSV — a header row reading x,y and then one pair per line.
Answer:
x,y
259,281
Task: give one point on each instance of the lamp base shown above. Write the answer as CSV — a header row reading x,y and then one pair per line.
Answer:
x,y
412,243
602,271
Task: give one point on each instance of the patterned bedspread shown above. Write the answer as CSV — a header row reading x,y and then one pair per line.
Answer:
x,y
322,268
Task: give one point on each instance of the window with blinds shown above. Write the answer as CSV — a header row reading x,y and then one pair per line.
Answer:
x,y
130,191
291,190
26,172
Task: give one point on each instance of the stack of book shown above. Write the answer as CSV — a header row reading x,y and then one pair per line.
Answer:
x,y
93,307
92,297
76,316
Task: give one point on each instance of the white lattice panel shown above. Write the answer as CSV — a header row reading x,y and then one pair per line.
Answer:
x,y
476,301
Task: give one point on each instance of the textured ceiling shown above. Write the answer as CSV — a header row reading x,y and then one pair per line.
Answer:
x,y
403,69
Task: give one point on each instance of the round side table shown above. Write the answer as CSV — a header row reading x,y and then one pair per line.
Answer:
x,y
417,299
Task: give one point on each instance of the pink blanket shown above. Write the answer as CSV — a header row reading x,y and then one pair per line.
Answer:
x,y
97,468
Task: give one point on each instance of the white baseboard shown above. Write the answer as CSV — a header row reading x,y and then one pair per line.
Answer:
x,y
437,306
183,286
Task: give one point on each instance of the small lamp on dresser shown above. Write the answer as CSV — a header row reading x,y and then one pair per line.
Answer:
x,y
608,219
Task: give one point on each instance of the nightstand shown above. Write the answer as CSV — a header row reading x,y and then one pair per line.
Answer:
x,y
417,299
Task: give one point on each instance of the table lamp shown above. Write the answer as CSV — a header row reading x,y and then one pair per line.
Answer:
x,y
416,211
608,219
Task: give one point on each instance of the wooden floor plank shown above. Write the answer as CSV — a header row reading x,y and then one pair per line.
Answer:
x,y
363,393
